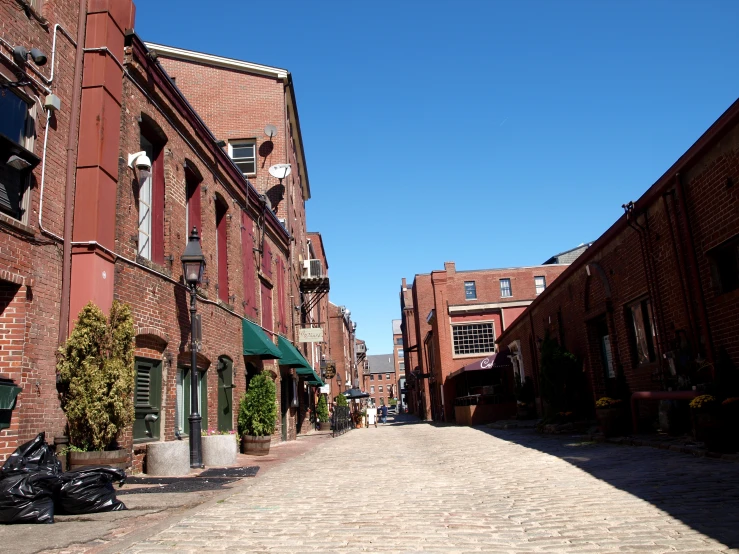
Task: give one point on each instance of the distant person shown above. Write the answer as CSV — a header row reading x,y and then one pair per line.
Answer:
x,y
383,411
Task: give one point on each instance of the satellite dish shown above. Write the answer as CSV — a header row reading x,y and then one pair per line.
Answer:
x,y
270,131
280,171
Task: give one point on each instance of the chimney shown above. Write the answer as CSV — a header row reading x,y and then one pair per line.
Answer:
x,y
450,267
404,286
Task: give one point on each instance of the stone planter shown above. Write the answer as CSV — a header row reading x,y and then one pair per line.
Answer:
x,y
111,458
219,450
324,426
256,446
610,420
167,459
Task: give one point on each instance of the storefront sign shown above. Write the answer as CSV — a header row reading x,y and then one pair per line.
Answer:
x,y
314,334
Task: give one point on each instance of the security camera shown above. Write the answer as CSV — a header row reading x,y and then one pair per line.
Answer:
x,y
39,58
140,161
21,53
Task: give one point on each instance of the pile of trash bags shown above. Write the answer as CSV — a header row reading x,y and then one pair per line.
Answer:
x,y
33,487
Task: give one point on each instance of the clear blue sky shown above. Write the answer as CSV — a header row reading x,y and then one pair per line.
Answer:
x,y
493,134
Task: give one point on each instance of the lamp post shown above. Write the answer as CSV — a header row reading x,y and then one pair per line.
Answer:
x,y
193,265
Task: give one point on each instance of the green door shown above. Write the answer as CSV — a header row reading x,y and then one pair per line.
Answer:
x,y
225,394
203,393
147,400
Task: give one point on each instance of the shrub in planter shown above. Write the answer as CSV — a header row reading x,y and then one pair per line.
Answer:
x,y
96,372
257,415
322,411
706,422
609,413
341,400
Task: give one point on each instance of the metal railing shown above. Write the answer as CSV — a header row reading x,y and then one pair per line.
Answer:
x,y
342,421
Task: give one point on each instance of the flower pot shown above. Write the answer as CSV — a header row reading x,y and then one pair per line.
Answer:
x,y
706,428
256,446
324,426
110,458
219,450
609,420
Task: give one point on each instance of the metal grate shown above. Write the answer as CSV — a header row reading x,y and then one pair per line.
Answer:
x,y
475,338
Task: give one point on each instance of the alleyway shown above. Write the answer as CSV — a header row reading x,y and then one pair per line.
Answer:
x,y
412,487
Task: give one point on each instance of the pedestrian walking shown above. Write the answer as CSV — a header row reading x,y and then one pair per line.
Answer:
x,y
383,411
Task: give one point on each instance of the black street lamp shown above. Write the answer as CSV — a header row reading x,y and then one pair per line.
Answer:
x,y
193,265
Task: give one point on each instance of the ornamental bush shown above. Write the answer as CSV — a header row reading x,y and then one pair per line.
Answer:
x,y
322,409
606,402
96,371
341,400
703,402
257,409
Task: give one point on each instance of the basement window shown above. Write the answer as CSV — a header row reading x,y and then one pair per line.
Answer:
x,y
725,266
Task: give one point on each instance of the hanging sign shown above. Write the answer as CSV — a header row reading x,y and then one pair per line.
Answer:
x,y
313,334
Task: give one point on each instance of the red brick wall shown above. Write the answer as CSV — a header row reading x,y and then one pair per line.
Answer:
x,y
30,262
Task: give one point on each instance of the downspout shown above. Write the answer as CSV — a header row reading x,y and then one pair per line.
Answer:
x,y
680,264
70,177
698,290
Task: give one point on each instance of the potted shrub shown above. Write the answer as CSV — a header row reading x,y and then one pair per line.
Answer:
x,y
96,374
609,413
706,423
257,415
322,413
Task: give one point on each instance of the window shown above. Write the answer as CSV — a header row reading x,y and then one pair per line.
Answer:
x,y
192,186
725,266
379,376
401,354
398,340
473,338
401,365
372,377
387,376
382,401
182,410
470,293
540,283
147,400
248,266
15,138
505,288
222,248
243,153
266,307
372,389
151,195
642,331
379,388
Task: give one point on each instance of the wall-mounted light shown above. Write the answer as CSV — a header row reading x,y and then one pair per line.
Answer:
x,y
141,162
21,53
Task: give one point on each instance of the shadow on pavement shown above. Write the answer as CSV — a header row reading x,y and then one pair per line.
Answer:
x,y
210,479
700,492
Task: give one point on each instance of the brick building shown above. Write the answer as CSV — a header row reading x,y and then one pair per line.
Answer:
x,y
399,363
655,299
342,348
381,379
109,229
35,208
456,317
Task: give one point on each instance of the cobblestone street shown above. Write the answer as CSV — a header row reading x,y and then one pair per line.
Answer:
x,y
413,487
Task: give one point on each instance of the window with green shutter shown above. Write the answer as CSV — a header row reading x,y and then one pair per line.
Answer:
x,y
147,400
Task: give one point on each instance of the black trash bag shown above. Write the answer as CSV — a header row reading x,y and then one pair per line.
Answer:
x,y
31,457
27,497
88,490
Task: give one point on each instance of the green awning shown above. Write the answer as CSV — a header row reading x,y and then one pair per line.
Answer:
x,y
256,342
7,396
291,357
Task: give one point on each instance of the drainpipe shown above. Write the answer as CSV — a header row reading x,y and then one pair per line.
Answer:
x,y
70,181
697,289
680,263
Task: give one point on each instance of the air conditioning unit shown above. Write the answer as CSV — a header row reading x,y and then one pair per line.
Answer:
x,y
312,268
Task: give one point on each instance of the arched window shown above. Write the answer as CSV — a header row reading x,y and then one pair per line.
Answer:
x,y
151,193
193,179
222,247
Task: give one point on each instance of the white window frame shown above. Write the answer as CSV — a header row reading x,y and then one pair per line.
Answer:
x,y
244,142
474,290
145,200
543,284
510,288
473,354
387,376
372,389
28,143
379,388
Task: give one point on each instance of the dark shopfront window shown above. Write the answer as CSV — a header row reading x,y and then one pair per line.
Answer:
x,y
643,332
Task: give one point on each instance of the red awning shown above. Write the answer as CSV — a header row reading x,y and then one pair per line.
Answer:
x,y
498,360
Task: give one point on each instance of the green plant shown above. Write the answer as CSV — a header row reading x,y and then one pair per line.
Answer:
x,y
257,409
563,383
341,400
606,402
96,371
393,402
703,402
322,409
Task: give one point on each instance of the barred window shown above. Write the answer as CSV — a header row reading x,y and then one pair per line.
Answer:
x,y
474,338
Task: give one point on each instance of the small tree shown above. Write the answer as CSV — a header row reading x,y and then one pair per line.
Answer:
x,y
322,409
257,409
96,369
341,400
